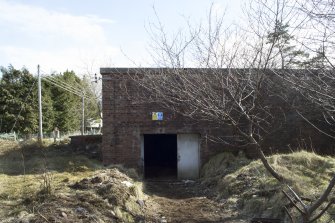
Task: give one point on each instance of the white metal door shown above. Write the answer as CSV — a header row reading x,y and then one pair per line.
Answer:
x,y
188,156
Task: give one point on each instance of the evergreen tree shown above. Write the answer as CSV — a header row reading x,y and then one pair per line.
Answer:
x,y
18,90
66,104
61,108
280,41
47,109
318,61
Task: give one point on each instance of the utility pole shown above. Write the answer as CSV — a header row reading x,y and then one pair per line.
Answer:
x,y
83,115
40,134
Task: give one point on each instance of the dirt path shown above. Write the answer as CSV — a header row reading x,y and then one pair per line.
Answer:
x,y
183,202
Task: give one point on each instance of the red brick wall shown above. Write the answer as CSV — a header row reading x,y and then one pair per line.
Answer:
x,y
125,121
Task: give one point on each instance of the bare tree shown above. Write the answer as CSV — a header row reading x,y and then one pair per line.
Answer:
x,y
317,85
234,82
320,26
215,91
310,25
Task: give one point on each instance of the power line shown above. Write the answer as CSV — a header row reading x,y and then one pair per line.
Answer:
x,y
65,85
78,87
77,91
58,83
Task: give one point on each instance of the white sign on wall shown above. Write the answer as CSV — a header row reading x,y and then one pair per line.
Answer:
x,y
157,116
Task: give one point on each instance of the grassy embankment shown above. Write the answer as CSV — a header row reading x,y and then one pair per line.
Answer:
x,y
81,190
54,183
246,185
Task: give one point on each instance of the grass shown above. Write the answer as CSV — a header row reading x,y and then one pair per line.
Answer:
x,y
32,158
220,165
22,167
243,184
26,171
247,186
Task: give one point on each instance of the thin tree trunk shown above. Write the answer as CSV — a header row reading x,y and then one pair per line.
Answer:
x,y
267,166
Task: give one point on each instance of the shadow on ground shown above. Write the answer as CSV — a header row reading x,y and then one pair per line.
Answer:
x,y
168,188
185,201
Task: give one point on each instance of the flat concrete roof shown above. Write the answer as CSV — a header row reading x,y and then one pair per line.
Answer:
x,y
139,70
125,70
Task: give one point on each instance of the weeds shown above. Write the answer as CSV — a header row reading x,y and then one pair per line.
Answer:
x,y
47,178
256,194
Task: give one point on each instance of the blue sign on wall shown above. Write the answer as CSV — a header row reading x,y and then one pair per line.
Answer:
x,y
157,116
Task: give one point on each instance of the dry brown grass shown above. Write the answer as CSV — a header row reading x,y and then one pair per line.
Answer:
x,y
251,190
53,183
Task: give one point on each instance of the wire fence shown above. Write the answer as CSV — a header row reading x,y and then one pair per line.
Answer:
x,y
8,136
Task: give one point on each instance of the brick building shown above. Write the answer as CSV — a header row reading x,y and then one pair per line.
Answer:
x,y
148,137
160,142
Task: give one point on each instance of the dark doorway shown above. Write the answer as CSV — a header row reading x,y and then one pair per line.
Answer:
x,y
160,155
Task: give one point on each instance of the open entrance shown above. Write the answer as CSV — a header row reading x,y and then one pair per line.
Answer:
x,y
160,155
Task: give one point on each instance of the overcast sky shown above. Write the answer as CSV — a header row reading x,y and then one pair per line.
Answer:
x,y
83,35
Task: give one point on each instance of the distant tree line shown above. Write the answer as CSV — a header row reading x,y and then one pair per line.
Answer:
x,y
61,108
